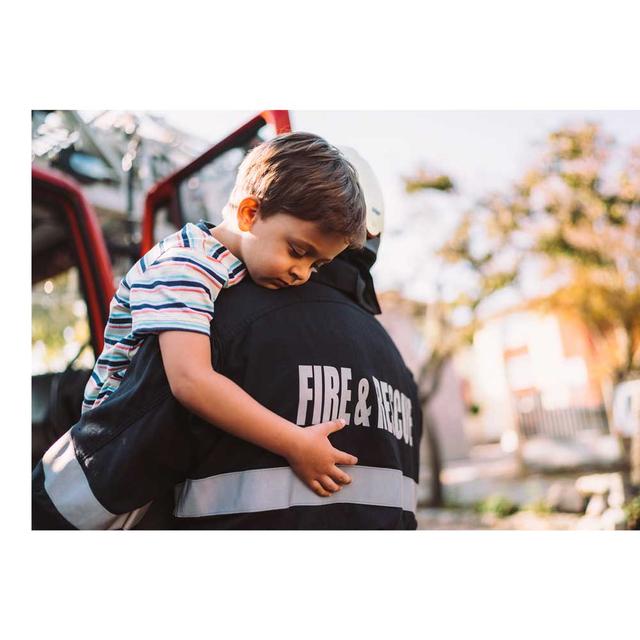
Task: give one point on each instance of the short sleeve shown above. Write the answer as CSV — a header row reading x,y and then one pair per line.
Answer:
x,y
176,293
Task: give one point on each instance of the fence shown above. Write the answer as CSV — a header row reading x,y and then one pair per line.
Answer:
x,y
560,424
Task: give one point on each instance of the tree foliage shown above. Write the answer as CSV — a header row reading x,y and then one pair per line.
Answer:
x,y
566,236
582,214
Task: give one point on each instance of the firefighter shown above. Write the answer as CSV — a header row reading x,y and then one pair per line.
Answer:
x,y
312,354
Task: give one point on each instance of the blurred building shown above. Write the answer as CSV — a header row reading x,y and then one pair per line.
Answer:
x,y
534,374
526,377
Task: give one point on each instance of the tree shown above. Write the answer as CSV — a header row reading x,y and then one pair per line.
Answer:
x,y
452,321
567,238
583,218
584,213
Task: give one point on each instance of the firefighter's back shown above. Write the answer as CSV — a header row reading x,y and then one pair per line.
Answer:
x,y
310,354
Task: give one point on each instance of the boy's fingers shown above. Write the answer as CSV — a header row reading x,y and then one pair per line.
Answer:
x,y
340,476
342,457
335,425
329,484
318,488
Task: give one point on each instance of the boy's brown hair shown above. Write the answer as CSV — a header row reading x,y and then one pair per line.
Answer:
x,y
303,175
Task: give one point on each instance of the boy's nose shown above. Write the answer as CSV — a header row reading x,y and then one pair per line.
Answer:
x,y
299,275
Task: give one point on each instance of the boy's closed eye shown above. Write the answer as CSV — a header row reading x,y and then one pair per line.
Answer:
x,y
299,252
296,252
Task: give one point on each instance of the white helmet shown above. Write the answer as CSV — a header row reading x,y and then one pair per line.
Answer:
x,y
372,194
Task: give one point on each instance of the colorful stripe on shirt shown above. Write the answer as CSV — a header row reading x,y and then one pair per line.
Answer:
x,y
172,287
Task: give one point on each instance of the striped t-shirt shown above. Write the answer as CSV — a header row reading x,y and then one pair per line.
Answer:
x,y
172,287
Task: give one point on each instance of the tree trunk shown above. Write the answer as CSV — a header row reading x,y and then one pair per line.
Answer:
x,y
428,384
435,460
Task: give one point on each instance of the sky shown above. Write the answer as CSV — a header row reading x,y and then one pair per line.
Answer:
x,y
481,151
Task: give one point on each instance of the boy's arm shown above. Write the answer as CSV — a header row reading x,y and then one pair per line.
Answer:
x,y
187,361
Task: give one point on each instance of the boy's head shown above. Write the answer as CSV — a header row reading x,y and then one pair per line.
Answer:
x,y
297,203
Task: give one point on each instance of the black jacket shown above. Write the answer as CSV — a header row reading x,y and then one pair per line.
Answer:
x,y
311,354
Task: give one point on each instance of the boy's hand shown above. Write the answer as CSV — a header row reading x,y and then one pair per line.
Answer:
x,y
314,459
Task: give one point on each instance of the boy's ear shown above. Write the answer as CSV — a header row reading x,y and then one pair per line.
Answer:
x,y
248,210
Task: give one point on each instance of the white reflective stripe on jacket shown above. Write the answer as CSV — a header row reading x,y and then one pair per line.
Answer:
x,y
68,488
279,488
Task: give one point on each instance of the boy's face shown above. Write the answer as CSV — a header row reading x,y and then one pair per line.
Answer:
x,y
282,250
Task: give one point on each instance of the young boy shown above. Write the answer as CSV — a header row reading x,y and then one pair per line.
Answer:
x,y
296,204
